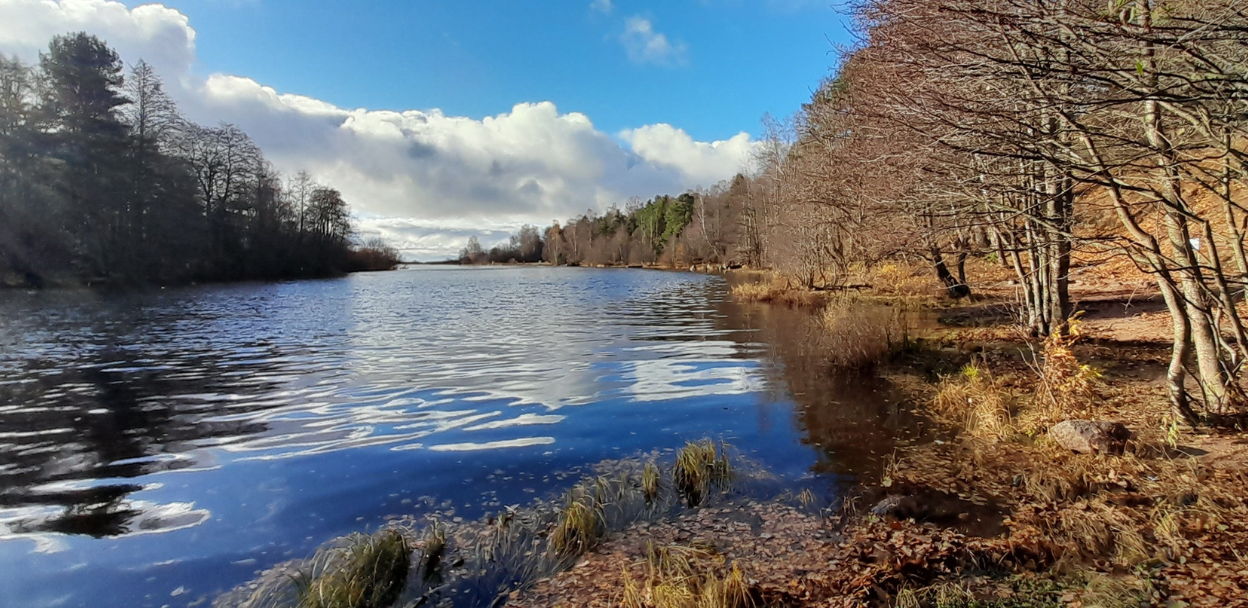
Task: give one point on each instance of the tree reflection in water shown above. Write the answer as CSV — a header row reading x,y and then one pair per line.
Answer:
x,y
853,418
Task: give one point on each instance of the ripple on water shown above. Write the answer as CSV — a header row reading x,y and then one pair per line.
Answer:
x,y
247,422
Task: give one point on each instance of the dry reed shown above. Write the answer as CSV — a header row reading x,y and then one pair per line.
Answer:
x,y
775,292
861,333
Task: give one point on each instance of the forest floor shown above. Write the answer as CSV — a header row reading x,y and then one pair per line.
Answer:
x,y
988,511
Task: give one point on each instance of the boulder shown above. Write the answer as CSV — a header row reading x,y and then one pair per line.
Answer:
x,y
1091,436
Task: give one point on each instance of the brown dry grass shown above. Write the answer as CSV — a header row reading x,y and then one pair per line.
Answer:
x,y
1089,515
700,467
579,527
898,280
862,333
777,292
679,576
974,401
1067,387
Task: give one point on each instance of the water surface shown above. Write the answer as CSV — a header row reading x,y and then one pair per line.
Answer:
x,y
159,448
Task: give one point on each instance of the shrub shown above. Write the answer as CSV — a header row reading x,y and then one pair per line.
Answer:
x,y
1069,387
650,483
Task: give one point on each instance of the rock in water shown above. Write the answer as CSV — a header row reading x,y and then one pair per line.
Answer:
x,y
1091,436
889,506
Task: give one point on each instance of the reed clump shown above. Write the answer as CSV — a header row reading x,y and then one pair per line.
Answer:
x,y
369,571
488,559
433,547
777,292
700,467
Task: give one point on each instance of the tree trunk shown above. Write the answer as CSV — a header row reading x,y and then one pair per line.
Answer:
x,y
954,287
1234,234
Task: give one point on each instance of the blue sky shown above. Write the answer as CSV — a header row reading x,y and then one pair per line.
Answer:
x,y
439,120
741,58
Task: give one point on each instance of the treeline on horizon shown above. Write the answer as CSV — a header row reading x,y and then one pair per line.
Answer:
x,y
665,230
1035,134
102,181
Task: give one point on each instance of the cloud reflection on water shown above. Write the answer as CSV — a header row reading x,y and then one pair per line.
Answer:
x,y
104,389
184,438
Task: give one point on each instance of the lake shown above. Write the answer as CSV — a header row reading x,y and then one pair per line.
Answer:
x,y
159,448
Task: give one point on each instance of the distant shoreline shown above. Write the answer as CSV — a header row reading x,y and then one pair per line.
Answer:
x,y
105,284
700,267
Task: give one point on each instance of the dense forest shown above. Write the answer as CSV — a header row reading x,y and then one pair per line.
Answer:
x,y
658,231
103,182
1032,133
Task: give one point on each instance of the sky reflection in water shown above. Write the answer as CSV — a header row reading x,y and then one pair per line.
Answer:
x,y
158,448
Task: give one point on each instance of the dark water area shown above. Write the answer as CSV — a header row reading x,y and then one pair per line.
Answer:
x,y
159,448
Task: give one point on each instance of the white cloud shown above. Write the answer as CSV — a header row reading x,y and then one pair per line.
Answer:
x,y
603,6
430,240
644,44
422,178
160,35
703,162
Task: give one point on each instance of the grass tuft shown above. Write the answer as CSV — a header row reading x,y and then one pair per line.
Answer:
x,y
1068,386
700,467
432,548
1091,530
631,592
368,572
950,594
651,483
580,526
733,590
687,577
907,598
1105,591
